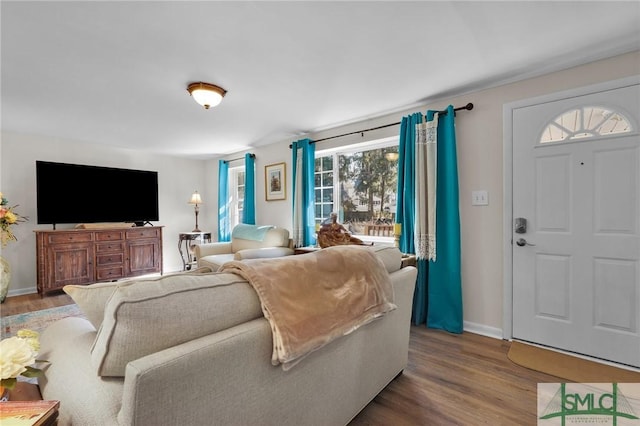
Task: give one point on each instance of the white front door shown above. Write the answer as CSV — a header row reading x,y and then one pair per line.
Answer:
x,y
576,266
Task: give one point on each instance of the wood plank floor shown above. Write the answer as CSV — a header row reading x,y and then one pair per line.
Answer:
x,y
451,379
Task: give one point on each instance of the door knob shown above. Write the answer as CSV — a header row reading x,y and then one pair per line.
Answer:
x,y
522,242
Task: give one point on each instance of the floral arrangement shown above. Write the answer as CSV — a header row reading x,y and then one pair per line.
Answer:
x,y
8,217
17,354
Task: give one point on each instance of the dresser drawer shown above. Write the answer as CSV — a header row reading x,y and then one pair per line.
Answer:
x,y
109,259
108,247
69,237
142,233
106,274
109,235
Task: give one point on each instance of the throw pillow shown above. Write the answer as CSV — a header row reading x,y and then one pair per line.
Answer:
x,y
91,299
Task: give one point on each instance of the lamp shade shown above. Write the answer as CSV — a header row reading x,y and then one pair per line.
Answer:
x,y
207,95
391,156
195,198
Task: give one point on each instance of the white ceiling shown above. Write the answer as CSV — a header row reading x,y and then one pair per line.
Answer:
x,y
116,72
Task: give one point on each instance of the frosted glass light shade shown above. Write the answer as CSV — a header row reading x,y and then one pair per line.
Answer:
x,y
207,95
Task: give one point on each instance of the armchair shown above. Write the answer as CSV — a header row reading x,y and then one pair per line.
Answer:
x,y
247,242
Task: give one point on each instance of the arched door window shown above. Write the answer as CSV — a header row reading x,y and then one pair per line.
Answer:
x,y
585,122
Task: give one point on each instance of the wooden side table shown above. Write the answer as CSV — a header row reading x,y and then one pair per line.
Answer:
x,y
25,400
189,240
408,260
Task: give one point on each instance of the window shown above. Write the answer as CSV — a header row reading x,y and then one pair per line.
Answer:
x,y
585,122
359,183
236,195
324,191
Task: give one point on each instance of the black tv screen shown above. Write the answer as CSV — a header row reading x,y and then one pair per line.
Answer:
x,y
75,193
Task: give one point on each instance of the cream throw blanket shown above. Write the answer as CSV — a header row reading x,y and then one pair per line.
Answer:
x,y
312,299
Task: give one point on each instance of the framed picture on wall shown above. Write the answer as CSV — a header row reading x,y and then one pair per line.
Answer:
x,y
275,179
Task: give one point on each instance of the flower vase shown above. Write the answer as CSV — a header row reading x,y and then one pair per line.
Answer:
x,y
5,278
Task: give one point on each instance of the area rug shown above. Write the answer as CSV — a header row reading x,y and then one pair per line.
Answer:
x,y
37,320
568,367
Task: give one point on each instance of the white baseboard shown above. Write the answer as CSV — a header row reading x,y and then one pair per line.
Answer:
x,y
22,291
483,330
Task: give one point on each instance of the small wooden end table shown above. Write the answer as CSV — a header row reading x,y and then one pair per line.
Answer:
x,y
25,399
408,260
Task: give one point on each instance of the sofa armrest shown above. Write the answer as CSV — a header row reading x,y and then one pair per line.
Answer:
x,y
207,249
265,252
198,382
71,378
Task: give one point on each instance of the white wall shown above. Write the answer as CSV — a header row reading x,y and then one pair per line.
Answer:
x,y
479,147
177,179
479,136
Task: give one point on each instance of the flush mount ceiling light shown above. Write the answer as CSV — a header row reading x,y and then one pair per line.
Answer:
x,y
207,95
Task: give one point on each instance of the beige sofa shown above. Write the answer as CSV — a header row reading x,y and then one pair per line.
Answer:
x,y
247,242
195,349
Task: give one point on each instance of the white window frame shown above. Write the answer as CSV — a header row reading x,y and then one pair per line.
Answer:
x,y
583,125
350,149
234,197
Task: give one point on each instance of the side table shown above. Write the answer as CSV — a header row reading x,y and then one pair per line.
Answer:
x,y
25,402
189,240
408,260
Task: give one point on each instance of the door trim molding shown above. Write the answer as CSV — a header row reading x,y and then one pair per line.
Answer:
x,y
507,183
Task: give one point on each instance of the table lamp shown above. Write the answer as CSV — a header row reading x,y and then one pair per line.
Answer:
x,y
196,199
397,231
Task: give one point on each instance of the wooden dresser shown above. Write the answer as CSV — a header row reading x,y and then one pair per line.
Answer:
x,y
85,256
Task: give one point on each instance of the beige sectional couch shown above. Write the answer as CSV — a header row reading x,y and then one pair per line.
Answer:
x,y
272,242
195,349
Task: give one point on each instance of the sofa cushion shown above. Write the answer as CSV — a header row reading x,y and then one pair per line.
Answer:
x,y
143,319
215,261
91,299
391,257
263,253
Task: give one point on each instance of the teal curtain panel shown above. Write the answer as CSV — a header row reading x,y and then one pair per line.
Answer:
x,y
445,284
224,233
249,208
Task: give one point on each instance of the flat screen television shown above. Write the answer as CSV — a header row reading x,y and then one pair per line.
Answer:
x,y
76,193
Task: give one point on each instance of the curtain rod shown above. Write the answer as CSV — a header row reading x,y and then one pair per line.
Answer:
x,y
468,107
239,158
